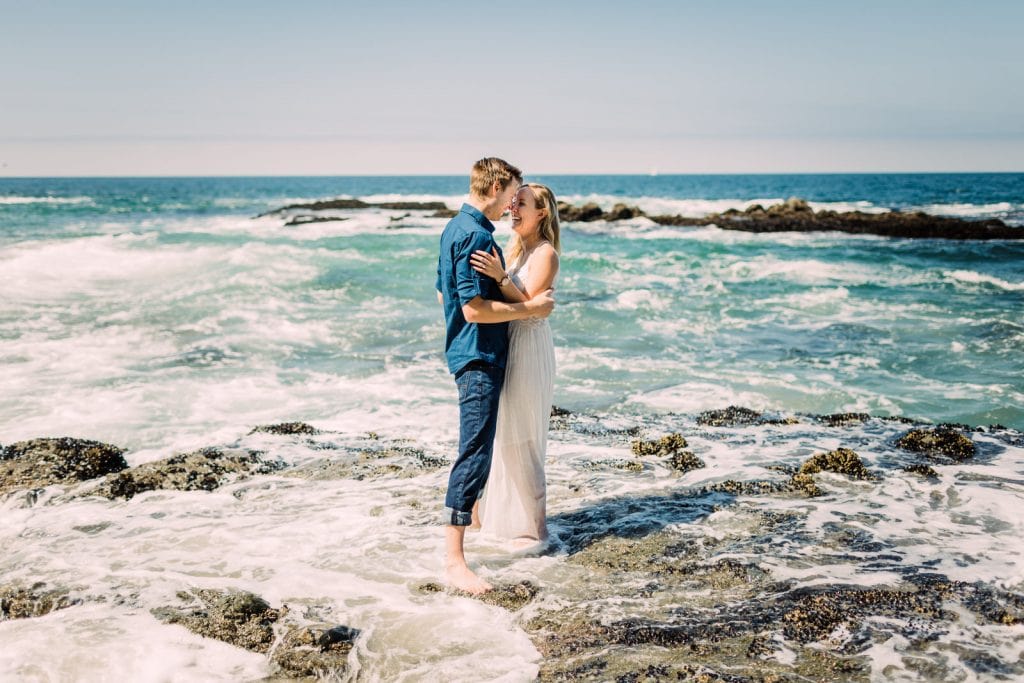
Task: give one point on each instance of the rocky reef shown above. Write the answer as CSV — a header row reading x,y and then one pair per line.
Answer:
x,y
41,462
25,602
245,620
796,215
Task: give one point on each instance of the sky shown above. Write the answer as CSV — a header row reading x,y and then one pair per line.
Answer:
x,y
348,88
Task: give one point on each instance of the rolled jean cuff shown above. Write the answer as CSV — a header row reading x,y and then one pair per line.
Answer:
x,y
454,517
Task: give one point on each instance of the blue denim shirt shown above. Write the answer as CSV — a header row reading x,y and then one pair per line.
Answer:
x,y
458,283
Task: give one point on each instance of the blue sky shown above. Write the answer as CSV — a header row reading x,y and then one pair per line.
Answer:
x,y
211,88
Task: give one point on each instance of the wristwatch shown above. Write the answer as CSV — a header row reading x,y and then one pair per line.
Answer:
x,y
502,281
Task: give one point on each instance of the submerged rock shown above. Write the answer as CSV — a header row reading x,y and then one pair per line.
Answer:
x,y
841,461
942,441
42,462
922,470
345,204
286,428
511,596
843,419
666,445
19,602
240,618
388,460
311,652
733,416
206,469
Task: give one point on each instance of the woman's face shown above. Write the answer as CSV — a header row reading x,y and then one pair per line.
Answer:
x,y
526,217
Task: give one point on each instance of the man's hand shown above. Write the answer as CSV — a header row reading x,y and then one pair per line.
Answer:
x,y
542,304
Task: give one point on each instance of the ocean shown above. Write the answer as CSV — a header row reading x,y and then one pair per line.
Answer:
x,y
161,316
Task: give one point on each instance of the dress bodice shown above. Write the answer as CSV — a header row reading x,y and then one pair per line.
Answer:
x,y
519,272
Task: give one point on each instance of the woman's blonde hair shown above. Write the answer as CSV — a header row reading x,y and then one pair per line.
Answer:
x,y
548,227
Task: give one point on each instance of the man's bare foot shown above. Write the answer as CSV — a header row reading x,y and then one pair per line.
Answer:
x,y
460,577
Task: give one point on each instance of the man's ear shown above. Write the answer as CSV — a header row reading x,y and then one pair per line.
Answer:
x,y
496,188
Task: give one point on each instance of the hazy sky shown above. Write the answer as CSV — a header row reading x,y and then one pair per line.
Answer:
x,y
307,87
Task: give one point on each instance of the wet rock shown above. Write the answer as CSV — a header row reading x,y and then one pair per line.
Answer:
x,y
42,462
666,445
444,213
613,463
19,602
286,428
942,441
684,461
819,612
345,204
795,215
304,220
511,596
388,460
587,213
843,419
237,617
310,652
206,469
841,461
923,470
733,416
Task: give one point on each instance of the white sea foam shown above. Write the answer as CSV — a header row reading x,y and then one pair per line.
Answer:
x,y
15,199
971,277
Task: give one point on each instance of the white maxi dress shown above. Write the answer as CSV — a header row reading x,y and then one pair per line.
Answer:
x,y
514,503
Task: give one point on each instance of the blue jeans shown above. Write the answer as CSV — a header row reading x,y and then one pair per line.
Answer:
x,y
479,387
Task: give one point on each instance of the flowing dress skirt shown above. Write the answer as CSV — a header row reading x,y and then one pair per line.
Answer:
x,y
514,502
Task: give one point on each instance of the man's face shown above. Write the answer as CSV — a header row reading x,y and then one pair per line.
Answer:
x,y
504,200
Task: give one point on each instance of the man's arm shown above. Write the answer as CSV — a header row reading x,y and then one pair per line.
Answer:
x,y
483,311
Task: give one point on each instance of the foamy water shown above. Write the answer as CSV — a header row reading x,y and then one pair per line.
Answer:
x,y
170,330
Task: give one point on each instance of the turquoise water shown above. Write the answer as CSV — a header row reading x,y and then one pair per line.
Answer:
x,y
649,318
161,316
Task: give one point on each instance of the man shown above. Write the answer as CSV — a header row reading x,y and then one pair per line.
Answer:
x,y
476,346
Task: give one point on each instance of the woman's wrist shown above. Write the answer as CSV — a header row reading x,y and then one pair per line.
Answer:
x,y
505,279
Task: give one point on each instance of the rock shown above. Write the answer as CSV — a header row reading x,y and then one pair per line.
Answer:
x,y
288,428
313,652
587,213
922,470
303,220
621,212
684,461
509,596
666,445
841,461
444,213
205,469
388,460
18,602
795,215
42,462
344,204
733,416
843,419
942,441
237,617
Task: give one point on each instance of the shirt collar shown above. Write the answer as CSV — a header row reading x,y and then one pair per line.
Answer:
x,y
478,216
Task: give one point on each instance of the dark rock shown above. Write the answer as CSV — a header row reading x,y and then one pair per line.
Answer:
x,y
842,461
303,220
509,596
732,416
444,213
287,428
240,618
942,441
388,460
923,470
795,215
19,602
666,445
205,469
684,461
42,462
344,204
621,212
843,419
313,652
584,214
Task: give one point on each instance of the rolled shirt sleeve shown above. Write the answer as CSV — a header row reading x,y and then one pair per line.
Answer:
x,y
468,282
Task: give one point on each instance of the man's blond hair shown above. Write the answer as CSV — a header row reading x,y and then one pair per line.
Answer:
x,y
492,170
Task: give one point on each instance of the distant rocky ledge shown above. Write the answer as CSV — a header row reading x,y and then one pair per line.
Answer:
x,y
793,215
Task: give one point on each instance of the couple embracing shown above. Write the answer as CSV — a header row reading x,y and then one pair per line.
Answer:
x,y
499,348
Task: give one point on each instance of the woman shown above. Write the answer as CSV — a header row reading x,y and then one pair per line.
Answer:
x,y
514,502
